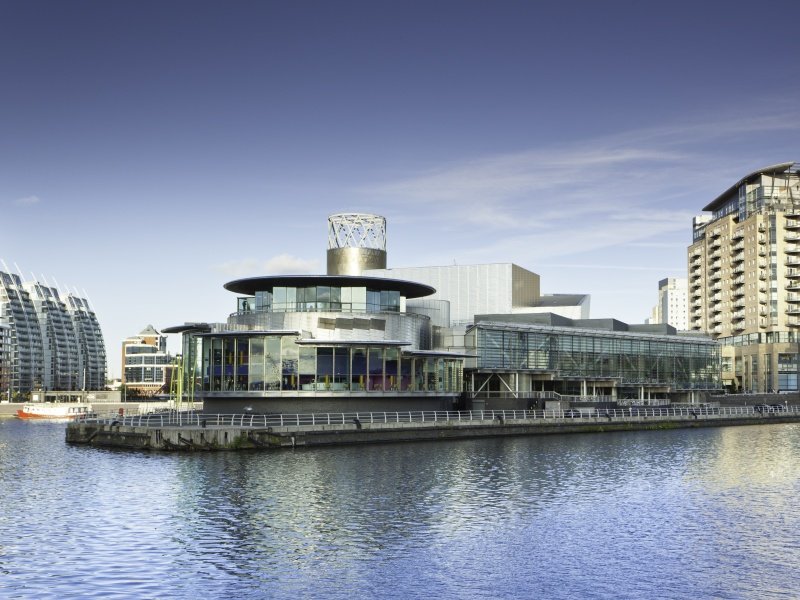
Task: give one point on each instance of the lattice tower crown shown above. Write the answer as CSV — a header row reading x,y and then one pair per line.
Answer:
x,y
355,230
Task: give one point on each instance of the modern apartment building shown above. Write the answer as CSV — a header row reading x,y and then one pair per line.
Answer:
x,y
146,364
744,278
5,360
673,303
53,344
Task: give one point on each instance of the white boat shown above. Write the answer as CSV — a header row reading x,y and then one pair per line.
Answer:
x,y
55,410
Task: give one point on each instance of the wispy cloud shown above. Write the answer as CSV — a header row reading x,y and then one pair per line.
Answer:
x,y
282,264
570,198
27,201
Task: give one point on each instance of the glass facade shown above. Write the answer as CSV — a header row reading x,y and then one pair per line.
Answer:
x,y
277,363
682,364
322,298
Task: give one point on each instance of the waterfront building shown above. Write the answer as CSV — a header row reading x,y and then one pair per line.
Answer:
x,y
5,360
359,338
673,303
744,278
46,349
26,370
146,364
514,357
59,341
91,346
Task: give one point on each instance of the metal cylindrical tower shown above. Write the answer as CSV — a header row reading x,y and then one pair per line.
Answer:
x,y
356,242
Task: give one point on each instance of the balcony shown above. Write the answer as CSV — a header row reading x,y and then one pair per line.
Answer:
x,y
791,237
792,224
793,310
738,304
738,326
714,276
762,227
793,285
714,233
738,269
738,292
762,275
738,315
792,261
738,234
793,297
793,273
793,322
792,249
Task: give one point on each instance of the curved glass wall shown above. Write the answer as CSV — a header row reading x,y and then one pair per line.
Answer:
x,y
278,363
322,298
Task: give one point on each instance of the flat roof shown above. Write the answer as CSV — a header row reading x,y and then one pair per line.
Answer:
x,y
719,200
251,285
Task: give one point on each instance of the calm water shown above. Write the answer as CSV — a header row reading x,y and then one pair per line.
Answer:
x,y
675,514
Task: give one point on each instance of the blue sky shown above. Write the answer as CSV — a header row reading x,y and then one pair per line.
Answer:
x,y
151,151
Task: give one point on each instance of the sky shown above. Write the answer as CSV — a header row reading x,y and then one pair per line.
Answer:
x,y
152,151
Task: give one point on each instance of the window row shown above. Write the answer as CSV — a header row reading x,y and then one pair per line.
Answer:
x,y
273,363
322,299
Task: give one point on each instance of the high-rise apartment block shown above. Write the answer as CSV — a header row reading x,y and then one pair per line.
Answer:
x,y
51,344
673,303
744,278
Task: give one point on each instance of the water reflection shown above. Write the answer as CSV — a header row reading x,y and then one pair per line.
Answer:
x,y
674,514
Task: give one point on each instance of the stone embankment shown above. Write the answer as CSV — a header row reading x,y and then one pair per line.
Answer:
x,y
199,432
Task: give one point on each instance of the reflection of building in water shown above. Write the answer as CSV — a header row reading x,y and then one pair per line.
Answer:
x,y
364,337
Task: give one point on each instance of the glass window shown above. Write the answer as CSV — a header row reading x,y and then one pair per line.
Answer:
x,y
392,368
341,369
289,363
308,368
291,299
324,368
359,368
359,299
406,365
272,366
279,298
242,363
256,373
375,369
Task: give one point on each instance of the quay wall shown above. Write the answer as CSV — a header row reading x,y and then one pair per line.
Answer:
x,y
198,438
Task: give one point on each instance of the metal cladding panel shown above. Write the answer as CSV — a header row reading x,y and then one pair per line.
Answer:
x,y
415,329
470,289
354,261
437,310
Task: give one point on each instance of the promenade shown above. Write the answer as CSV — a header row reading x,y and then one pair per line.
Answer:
x,y
195,431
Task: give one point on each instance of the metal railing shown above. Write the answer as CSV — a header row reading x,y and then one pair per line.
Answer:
x,y
197,419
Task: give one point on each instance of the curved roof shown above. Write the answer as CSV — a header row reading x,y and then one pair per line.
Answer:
x,y
251,285
187,327
723,197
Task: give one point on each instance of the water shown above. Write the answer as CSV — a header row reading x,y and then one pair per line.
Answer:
x,y
706,513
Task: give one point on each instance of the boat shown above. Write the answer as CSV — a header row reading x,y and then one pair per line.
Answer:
x,y
60,411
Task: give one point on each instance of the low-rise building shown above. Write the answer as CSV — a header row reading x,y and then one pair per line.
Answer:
x,y
146,364
360,339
